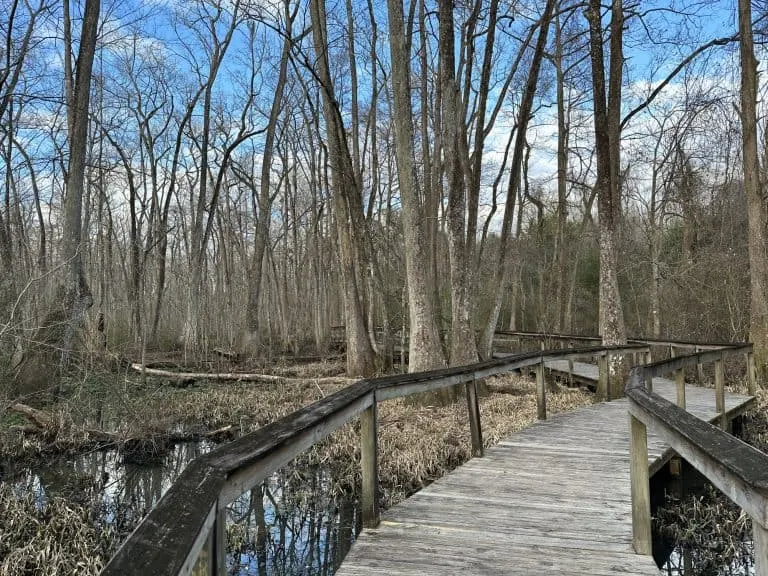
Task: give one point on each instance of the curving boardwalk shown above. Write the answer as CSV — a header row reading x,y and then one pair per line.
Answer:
x,y
553,498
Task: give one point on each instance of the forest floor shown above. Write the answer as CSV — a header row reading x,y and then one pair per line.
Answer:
x,y
143,416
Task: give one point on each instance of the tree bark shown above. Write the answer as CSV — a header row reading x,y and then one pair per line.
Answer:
x,y
756,205
347,202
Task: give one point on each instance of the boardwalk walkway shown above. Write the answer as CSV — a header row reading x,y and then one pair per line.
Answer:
x,y
551,499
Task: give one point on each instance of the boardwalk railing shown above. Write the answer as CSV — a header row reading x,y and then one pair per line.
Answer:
x,y
674,347
737,469
185,531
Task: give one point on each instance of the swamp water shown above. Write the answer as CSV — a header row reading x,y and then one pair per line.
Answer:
x,y
289,525
696,531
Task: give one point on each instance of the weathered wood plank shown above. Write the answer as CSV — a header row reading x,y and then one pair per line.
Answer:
x,y
552,498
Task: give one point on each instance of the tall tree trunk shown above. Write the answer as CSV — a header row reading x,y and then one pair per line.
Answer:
x,y
78,294
347,202
264,200
607,152
463,349
504,262
425,351
757,209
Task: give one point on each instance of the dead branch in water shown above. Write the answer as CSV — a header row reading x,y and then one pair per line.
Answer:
x,y
238,376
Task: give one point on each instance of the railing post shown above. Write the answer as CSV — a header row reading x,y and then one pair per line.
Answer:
x,y
541,392
751,374
760,536
680,382
699,370
369,464
640,487
672,351
219,541
474,418
602,379
648,375
720,393
570,365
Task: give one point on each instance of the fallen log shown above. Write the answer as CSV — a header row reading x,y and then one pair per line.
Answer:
x,y
240,377
38,417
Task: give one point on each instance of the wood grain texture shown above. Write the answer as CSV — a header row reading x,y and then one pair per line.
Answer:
x,y
553,498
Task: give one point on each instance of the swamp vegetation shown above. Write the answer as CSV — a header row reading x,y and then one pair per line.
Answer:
x,y
116,441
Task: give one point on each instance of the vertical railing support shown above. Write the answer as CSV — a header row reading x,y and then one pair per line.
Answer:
x,y
760,536
219,548
720,393
699,370
369,462
640,487
570,365
751,374
680,382
672,351
648,375
541,392
474,418
602,379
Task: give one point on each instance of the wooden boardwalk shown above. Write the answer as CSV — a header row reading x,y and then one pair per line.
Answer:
x,y
551,499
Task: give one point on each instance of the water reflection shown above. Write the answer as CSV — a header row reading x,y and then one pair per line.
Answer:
x,y
704,550
292,524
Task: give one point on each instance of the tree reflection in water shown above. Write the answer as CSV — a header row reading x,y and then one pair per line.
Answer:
x,y
291,524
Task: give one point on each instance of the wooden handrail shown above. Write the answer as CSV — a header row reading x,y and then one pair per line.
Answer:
x,y
736,468
190,517
683,344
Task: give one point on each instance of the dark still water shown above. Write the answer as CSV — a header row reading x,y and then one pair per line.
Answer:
x,y
292,524
697,531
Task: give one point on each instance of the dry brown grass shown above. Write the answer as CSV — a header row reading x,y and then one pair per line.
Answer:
x,y
59,538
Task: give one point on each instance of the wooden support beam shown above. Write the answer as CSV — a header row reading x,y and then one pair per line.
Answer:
x,y
640,487
369,462
474,419
602,380
541,392
570,365
219,540
760,536
699,370
751,374
720,394
680,382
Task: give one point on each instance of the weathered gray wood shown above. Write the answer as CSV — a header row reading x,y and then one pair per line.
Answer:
x,y
680,383
475,428
681,344
602,383
699,369
553,498
640,487
369,462
541,392
760,535
250,459
737,469
219,542
179,526
751,374
720,393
